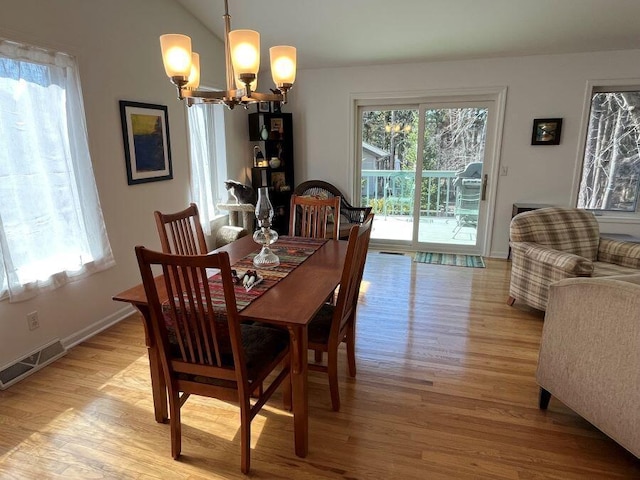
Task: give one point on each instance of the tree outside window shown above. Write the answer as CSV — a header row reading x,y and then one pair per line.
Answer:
x,y
611,168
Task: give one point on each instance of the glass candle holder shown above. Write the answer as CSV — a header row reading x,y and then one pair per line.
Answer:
x,y
265,236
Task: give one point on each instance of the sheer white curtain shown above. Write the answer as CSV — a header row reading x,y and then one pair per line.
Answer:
x,y
51,225
206,140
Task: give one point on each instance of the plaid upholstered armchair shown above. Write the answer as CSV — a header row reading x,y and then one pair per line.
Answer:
x,y
554,243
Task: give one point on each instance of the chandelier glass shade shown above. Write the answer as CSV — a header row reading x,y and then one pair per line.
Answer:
x,y
242,56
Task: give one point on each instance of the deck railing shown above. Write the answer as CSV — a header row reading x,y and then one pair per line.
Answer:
x,y
392,192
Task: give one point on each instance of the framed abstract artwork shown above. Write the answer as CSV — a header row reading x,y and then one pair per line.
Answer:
x,y
147,151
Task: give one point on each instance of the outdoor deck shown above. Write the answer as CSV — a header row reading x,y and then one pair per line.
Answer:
x,y
438,230
391,193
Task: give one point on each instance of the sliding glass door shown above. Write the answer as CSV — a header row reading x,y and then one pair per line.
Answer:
x,y
451,177
440,147
389,153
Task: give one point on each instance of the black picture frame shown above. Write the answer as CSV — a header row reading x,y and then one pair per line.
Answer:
x,y
263,107
147,148
546,131
276,107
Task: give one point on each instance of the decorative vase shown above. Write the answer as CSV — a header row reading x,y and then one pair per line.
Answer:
x,y
274,162
264,133
265,236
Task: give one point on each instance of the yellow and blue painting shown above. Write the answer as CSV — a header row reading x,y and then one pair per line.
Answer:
x,y
148,142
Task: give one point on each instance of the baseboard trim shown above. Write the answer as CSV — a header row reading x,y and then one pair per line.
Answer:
x,y
88,332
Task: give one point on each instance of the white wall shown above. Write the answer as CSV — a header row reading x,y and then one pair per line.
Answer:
x,y
538,87
118,51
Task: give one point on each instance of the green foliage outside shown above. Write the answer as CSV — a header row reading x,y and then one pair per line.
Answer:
x,y
453,138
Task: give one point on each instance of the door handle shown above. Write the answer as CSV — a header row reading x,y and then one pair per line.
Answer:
x,y
483,197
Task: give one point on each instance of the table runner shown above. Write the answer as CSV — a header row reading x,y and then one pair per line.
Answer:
x,y
292,251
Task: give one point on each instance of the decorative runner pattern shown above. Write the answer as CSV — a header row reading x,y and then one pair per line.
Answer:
x,y
475,261
292,251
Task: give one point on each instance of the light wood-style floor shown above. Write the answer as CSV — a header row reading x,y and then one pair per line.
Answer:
x,y
445,390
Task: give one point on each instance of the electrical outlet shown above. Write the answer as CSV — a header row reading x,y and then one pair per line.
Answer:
x,y
33,321
504,170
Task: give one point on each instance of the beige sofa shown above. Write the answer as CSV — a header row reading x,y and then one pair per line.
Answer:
x,y
553,243
590,353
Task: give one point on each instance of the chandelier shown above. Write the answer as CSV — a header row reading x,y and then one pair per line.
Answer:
x,y
242,58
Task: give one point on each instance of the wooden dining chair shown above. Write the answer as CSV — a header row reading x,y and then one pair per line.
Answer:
x,y
349,215
335,324
314,217
202,350
181,232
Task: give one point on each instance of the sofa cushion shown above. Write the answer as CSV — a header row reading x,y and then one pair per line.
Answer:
x,y
619,252
604,269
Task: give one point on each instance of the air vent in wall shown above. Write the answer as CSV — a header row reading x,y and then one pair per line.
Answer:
x,y
31,363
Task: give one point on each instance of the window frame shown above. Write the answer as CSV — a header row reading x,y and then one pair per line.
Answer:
x,y
82,196
599,86
217,172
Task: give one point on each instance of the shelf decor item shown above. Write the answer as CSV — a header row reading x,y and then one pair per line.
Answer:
x,y
276,169
265,236
258,157
275,162
264,134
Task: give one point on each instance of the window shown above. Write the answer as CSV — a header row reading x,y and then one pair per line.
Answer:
x,y
207,152
611,167
51,226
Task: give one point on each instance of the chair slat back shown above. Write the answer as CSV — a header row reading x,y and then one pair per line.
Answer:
x,y
352,273
310,216
189,332
181,232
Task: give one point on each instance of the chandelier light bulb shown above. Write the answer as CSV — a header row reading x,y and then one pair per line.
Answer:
x,y
194,75
176,54
245,51
283,64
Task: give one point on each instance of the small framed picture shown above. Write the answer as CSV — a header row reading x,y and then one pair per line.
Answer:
x,y
145,132
263,107
276,125
546,131
276,107
278,181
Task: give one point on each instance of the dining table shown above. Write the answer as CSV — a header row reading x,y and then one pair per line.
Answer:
x,y
291,303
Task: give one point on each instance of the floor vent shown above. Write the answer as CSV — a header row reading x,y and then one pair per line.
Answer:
x,y
31,363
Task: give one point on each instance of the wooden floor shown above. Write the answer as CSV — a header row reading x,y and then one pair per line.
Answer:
x,y
445,390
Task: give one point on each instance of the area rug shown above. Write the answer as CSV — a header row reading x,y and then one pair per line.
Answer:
x,y
474,261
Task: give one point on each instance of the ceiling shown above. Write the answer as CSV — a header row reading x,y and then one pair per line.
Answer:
x,y
335,33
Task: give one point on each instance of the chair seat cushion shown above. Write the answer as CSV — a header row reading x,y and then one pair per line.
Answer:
x,y
261,346
604,269
320,326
